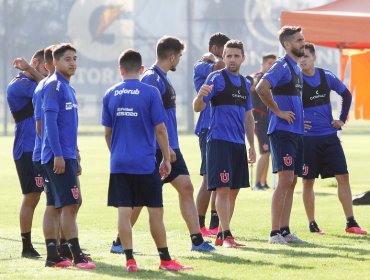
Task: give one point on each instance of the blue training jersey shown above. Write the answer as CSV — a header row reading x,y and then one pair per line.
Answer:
x,y
201,71
279,75
227,121
132,109
36,101
150,77
60,98
321,115
19,94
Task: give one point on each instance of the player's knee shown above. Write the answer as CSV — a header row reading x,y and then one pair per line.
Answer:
x,y
31,199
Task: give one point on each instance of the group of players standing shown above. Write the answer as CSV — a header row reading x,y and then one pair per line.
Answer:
x,y
146,110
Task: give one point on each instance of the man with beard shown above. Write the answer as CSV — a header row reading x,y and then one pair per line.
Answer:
x,y
231,120
280,89
202,69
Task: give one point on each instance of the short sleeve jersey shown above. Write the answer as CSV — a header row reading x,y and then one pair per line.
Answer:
x,y
321,115
227,121
150,77
19,94
132,109
60,97
201,71
279,75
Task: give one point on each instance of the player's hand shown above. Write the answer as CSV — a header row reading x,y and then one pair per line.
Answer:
x,y
173,157
59,165
205,90
307,126
252,155
21,64
209,57
337,124
289,116
164,169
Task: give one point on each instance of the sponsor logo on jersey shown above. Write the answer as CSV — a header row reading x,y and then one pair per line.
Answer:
x,y
288,160
224,176
126,91
126,112
70,106
318,95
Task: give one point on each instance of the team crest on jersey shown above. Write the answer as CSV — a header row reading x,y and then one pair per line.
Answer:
x,y
75,192
305,170
288,160
39,181
224,176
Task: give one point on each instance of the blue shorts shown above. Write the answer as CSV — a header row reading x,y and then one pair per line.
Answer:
x,y
227,165
286,151
28,178
41,173
177,168
63,187
260,129
323,156
134,190
203,150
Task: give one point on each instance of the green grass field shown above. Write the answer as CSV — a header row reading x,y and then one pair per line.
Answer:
x,y
336,255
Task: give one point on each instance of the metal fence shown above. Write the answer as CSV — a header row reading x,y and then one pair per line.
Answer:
x,y
102,29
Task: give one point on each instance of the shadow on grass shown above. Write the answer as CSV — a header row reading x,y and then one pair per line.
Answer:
x,y
120,271
20,240
219,257
317,193
240,261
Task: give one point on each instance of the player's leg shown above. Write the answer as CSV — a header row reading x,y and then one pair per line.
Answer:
x,y
202,202
345,197
158,233
214,223
232,198
32,187
51,224
308,196
68,201
266,163
125,232
203,196
180,179
117,247
188,210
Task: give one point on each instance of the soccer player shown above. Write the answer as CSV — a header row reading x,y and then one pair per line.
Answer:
x,y
322,148
229,95
201,71
260,114
59,157
169,52
19,96
134,108
284,81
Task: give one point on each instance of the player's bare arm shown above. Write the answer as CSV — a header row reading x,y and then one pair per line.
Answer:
x,y
249,131
162,139
264,92
108,136
198,103
21,64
